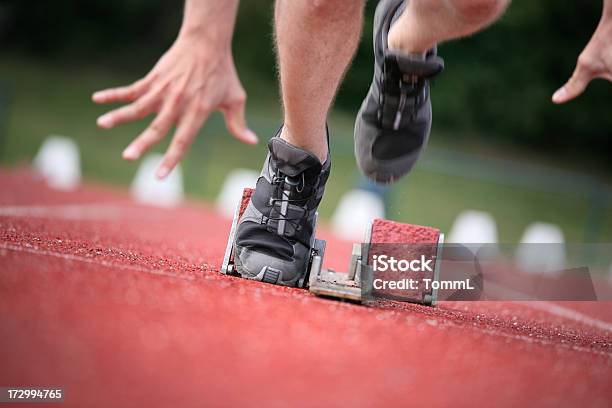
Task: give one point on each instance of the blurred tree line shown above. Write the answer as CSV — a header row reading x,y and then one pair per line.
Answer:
x,y
497,84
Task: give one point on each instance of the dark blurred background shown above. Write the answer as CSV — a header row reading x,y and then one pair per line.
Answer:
x,y
498,143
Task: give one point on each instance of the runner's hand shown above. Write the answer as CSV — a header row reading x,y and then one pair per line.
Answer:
x,y
594,62
188,83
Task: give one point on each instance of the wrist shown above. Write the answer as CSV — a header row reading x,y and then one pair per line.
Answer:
x,y
209,22
202,34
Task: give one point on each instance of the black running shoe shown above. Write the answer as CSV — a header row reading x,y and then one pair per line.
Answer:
x,y
394,121
276,232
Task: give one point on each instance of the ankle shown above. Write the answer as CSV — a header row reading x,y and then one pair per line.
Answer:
x,y
315,142
425,23
476,14
406,37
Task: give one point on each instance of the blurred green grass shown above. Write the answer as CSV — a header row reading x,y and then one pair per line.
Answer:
x,y
56,100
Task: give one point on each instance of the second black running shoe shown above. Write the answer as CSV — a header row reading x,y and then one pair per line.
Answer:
x,y
394,121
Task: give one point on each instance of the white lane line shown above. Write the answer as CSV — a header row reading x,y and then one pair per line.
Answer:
x,y
78,258
571,314
68,212
551,308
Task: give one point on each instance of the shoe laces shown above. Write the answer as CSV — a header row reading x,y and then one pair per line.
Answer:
x,y
284,187
410,86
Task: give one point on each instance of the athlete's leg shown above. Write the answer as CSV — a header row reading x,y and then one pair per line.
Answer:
x,y
316,40
425,23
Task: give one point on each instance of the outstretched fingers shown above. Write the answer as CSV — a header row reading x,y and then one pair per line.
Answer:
x,y
186,131
139,109
153,134
575,86
235,121
127,93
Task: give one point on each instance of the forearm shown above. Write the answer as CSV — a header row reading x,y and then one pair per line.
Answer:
x,y
210,20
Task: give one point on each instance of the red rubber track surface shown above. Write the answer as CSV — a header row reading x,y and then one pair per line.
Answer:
x,y
123,305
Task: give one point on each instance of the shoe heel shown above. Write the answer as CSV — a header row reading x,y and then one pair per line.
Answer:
x,y
271,275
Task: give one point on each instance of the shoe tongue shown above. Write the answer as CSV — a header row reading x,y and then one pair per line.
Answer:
x,y
292,160
428,67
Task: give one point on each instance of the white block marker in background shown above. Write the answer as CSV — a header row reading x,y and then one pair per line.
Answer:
x,y
473,227
148,189
59,162
231,191
535,254
356,210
